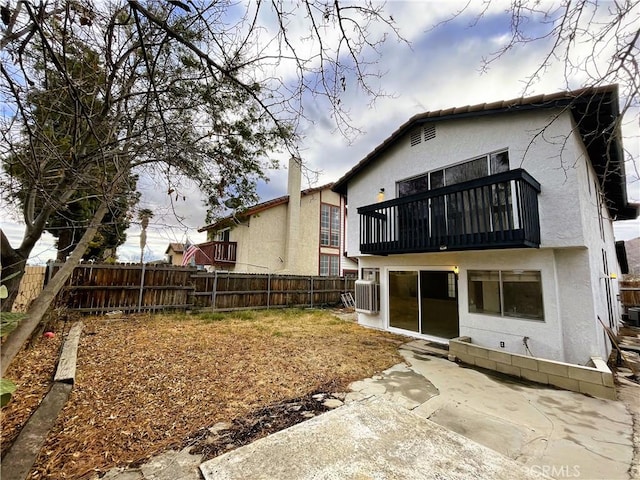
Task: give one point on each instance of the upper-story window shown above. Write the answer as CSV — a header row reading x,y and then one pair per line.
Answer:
x,y
222,235
490,209
463,172
329,225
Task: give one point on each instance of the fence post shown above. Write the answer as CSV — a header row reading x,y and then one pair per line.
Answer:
x,y
141,288
311,291
268,290
50,271
214,291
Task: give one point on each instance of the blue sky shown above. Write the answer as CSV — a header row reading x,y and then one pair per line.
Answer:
x,y
441,69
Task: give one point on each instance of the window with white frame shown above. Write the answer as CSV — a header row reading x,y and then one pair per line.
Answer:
x,y
329,225
223,235
329,265
507,293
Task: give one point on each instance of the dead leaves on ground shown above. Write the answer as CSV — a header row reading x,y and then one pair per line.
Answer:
x,y
145,384
32,372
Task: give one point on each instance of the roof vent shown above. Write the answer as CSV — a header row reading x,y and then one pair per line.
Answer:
x,y
416,137
429,132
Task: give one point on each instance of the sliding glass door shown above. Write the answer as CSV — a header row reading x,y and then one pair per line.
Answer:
x,y
424,302
439,304
404,311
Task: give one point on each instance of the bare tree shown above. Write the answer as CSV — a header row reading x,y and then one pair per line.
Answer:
x,y
204,90
595,43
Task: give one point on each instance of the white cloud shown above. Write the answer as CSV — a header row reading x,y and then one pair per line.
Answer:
x,y
441,70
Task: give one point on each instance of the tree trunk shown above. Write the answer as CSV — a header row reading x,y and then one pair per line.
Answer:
x,y
65,237
41,304
12,263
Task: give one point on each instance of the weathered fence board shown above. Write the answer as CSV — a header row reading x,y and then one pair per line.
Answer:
x,y
235,291
630,292
66,371
95,288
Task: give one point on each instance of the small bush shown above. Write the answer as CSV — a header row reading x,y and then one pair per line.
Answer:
x,y
7,387
9,321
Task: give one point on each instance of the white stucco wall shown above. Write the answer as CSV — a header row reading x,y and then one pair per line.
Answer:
x,y
549,159
582,333
570,257
598,237
545,337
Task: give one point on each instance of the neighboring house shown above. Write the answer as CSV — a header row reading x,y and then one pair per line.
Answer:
x,y
496,225
632,248
174,253
301,233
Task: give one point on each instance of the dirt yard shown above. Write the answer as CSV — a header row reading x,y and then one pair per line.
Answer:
x,y
145,384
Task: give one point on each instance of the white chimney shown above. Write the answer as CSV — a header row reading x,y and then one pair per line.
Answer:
x,y
293,213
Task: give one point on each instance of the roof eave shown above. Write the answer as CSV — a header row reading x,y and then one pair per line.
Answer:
x,y
631,211
261,207
555,100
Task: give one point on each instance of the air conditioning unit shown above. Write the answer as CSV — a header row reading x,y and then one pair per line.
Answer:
x,y
367,296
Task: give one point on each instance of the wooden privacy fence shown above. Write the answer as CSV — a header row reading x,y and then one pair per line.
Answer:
x,y
630,292
237,291
97,288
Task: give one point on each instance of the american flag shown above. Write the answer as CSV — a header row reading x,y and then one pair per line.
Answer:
x,y
189,253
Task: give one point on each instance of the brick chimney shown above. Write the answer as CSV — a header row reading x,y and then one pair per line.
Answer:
x,y
293,213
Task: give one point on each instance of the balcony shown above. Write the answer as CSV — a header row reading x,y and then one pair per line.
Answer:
x,y
497,211
219,254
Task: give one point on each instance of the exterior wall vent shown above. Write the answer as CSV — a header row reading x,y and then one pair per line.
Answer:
x,y
429,132
416,137
367,296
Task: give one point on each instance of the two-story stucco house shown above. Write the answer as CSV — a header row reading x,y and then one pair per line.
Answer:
x,y
301,233
496,224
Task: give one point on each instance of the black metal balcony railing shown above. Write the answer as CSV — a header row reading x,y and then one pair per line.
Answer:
x,y
216,253
497,211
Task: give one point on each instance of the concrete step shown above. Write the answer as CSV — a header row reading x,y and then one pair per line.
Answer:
x,y
428,348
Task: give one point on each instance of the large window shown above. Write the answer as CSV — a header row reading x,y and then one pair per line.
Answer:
x,y
329,226
468,212
515,293
463,172
329,265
